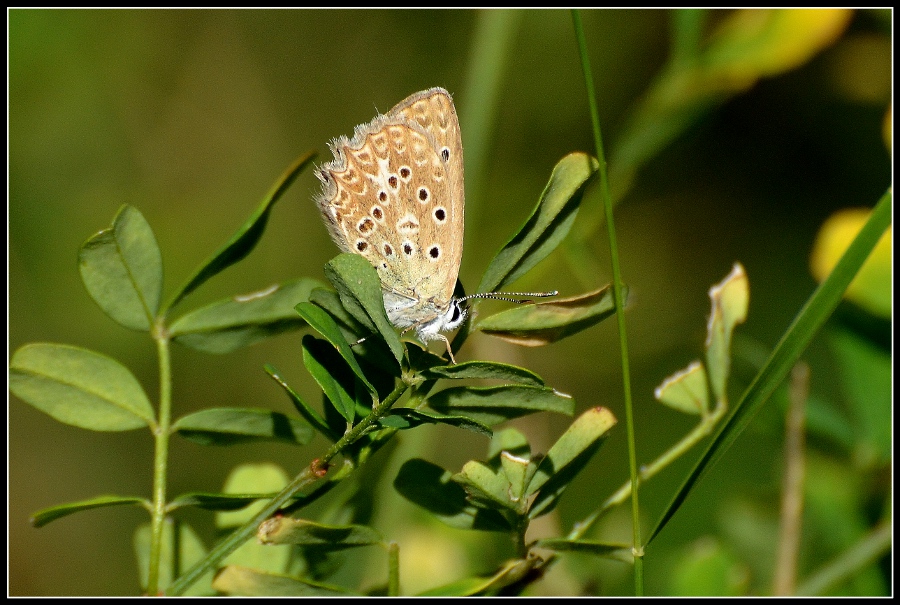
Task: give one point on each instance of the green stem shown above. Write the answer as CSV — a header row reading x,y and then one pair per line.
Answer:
x,y
161,458
310,475
618,287
393,589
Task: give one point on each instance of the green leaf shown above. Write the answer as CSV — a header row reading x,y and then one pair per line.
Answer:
x,y
511,572
619,552
287,530
239,321
306,411
431,487
519,472
811,317
329,300
121,267
330,371
543,323
493,405
407,418
373,350
181,548
262,478
46,515
246,237
320,321
487,370
686,390
237,580
865,372
227,426
567,457
216,501
79,387
546,227
730,298
358,285
509,440
485,485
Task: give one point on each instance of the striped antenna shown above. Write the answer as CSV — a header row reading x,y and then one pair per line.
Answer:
x,y
503,296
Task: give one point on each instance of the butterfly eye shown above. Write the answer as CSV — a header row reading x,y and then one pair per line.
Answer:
x,y
456,313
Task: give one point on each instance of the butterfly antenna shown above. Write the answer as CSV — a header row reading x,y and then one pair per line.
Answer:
x,y
503,296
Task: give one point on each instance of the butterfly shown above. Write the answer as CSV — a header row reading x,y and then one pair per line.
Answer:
x,y
394,194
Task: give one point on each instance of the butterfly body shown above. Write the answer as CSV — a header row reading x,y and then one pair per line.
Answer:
x,y
394,194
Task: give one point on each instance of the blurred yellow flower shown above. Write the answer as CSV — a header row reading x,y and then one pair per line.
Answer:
x,y
871,288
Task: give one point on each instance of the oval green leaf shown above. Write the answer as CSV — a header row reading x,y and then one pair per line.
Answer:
x,y
548,224
485,485
359,287
543,323
246,237
487,370
242,320
431,487
79,387
567,457
227,426
493,405
121,267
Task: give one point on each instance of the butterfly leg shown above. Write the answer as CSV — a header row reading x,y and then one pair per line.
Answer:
x,y
449,350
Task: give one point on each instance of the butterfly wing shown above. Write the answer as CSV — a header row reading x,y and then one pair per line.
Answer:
x,y
434,112
393,194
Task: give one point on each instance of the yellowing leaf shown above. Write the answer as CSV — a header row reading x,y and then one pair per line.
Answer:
x,y
730,299
685,390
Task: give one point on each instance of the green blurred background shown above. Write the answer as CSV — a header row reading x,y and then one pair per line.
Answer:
x,y
190,116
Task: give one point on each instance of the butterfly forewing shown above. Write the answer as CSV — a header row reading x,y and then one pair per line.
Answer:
x,y
394,194
434,111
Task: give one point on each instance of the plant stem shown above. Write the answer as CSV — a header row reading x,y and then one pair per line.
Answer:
x,y
618,287
393,589
161,458
310,475
785,571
